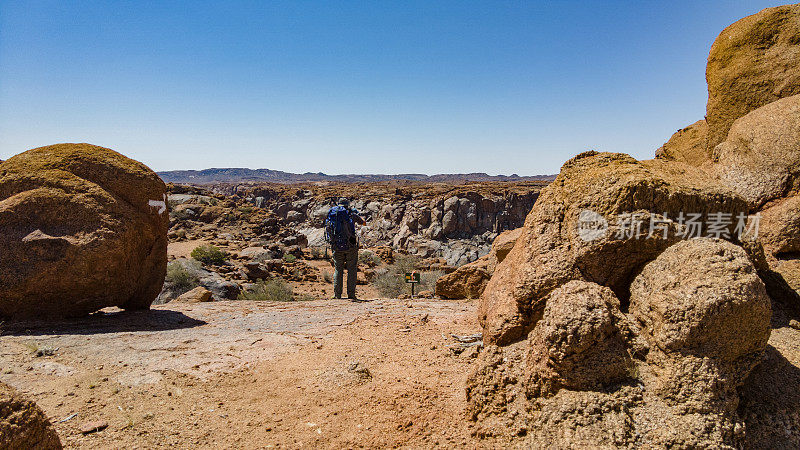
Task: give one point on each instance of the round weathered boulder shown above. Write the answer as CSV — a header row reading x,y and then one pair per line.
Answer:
x,y
578,344
753,62
23,425
760,159
779,228
634,205
82,228
702,297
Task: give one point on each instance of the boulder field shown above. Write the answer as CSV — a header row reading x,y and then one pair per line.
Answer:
x,y
637,300
82,228
455,223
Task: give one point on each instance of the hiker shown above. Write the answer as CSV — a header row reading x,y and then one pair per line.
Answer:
x,y
340,233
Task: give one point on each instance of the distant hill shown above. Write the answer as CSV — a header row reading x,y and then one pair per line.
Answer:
x,y
236,175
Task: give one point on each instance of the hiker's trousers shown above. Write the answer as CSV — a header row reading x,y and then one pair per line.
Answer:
x,y
345,260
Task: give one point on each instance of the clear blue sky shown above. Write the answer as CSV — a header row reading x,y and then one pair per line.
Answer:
x,y
356,87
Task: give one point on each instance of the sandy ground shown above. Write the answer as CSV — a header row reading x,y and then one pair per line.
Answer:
x,y
239,374
183,249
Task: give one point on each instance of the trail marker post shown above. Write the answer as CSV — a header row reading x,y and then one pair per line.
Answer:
x,y
412,278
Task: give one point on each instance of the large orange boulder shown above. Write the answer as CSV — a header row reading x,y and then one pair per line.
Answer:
x,y
760,159
753,62
468,281
82,228
553,248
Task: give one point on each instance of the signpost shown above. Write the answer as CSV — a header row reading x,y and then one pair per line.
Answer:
x,y
412,278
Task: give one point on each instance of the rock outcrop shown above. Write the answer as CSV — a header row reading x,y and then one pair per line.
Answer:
x,y
196,295
625,198
753,62
688,145
23,425
664,374
578,343
760,159
457,224
468,281
705,315
82,228
606,325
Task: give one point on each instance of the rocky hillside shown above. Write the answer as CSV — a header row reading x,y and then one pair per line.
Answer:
x,y
455,222
239,175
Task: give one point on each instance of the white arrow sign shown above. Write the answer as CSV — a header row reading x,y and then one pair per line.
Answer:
x,y
160,204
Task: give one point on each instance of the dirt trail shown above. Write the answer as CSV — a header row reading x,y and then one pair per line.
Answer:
x,y
252,374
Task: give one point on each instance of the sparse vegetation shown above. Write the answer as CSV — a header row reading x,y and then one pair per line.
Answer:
x,y
274,289
327,276
405,263
428,280
289,258
180,279
390,282
316,252
209,254
369,258
40,350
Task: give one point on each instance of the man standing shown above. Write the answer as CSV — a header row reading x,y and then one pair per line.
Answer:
x,y
340,233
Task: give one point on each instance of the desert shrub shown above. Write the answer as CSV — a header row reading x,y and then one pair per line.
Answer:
x,y
369,258
246,209
180,279
405,263
209,254
274,289
327,276
289,258
316,252
391,282
427,280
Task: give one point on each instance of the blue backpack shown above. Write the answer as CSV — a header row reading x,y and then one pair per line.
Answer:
x,y
340,231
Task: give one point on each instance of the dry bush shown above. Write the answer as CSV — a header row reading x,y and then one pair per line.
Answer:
x,y
209,254
180,278
274,289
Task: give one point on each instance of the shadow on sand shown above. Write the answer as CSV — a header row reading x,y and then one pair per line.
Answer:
x,y
770,403
103,322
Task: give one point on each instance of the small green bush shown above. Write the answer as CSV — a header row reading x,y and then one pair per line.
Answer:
x,y
288,258
179,279
274,289
209,254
